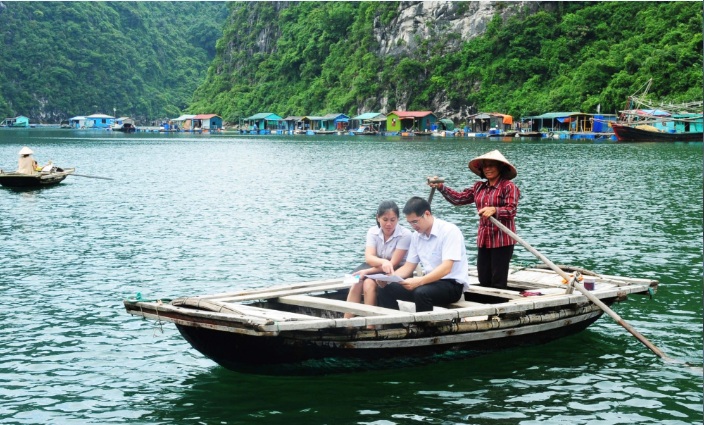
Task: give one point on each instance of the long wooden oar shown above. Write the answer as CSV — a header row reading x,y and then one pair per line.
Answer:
x,y
91,177
585,292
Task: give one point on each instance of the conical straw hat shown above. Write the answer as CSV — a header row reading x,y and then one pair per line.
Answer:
x,y
26,151
509,171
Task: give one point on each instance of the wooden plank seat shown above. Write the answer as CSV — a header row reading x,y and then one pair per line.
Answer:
x,y
340,306
494,292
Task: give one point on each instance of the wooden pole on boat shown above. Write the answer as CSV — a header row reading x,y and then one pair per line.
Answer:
x,y
584,292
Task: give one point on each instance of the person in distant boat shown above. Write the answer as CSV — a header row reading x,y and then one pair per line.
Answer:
x,y
438,246
26,163
386,248
497,197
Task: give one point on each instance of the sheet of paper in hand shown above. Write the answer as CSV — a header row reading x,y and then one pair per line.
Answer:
x,y
384,277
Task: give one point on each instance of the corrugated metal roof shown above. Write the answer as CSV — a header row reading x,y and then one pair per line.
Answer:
x,y
411,114
265,116
205,116
334,116
553,115
366,116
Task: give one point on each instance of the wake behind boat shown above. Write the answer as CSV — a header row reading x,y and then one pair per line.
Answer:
x,y
300,328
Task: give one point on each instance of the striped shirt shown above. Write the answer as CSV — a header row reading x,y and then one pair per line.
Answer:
x,y
504,197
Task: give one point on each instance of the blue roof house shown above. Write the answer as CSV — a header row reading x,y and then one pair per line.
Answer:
x,y
99,121
263,123
334,122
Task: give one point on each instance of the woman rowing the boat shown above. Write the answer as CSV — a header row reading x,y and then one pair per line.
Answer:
x,y
26,164
386,248
498,197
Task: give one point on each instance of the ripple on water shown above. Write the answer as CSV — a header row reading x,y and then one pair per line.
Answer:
x,y
227,213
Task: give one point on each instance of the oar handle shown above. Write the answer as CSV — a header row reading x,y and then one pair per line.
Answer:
x,y
432,190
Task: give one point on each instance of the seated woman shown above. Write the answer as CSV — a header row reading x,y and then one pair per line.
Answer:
x,y
26,163
386,249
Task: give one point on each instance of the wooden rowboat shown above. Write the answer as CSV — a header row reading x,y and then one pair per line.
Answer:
x,y
39,179
300,328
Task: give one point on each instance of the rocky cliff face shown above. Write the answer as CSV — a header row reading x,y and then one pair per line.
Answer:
x,y
424,24
424,20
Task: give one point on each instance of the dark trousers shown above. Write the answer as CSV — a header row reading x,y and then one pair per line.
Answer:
x,y
492,266
441,292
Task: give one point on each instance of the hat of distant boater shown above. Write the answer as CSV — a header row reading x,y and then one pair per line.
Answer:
x,y
26,151
508,171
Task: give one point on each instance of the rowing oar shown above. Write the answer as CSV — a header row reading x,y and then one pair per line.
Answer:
x,y
432,190
90,177
585,292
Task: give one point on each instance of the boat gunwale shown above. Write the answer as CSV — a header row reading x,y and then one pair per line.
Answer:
x,y
239,323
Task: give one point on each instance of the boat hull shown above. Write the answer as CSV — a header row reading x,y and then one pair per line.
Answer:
x,y
293,354
625,133
301,328
28,181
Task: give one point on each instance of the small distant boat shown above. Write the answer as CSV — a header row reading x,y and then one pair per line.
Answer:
x,y
124,124
500,133
65,124
647,121
39,179
300,327
423,133
364,131
528,134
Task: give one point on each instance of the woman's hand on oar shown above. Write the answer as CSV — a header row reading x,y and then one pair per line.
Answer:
x,y
434,182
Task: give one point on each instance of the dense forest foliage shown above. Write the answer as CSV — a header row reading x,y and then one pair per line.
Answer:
x,y
321,57
142,59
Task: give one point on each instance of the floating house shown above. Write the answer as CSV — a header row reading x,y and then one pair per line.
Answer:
x,y
369,119
182,123
311,123
397,121
334,122
16,122
207,122
99,121
77,122
488,122
263,123
292,124
578,122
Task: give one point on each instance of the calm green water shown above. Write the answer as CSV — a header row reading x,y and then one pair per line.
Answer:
x,y
201,214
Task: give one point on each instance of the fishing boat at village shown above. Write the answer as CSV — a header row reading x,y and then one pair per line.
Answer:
x,y
647,121
124,124
40,179
301,326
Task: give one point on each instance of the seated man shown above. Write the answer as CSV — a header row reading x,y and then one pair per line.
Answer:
x,y
439,247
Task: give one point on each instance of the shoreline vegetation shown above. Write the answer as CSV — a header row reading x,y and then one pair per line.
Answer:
x,y
152,61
